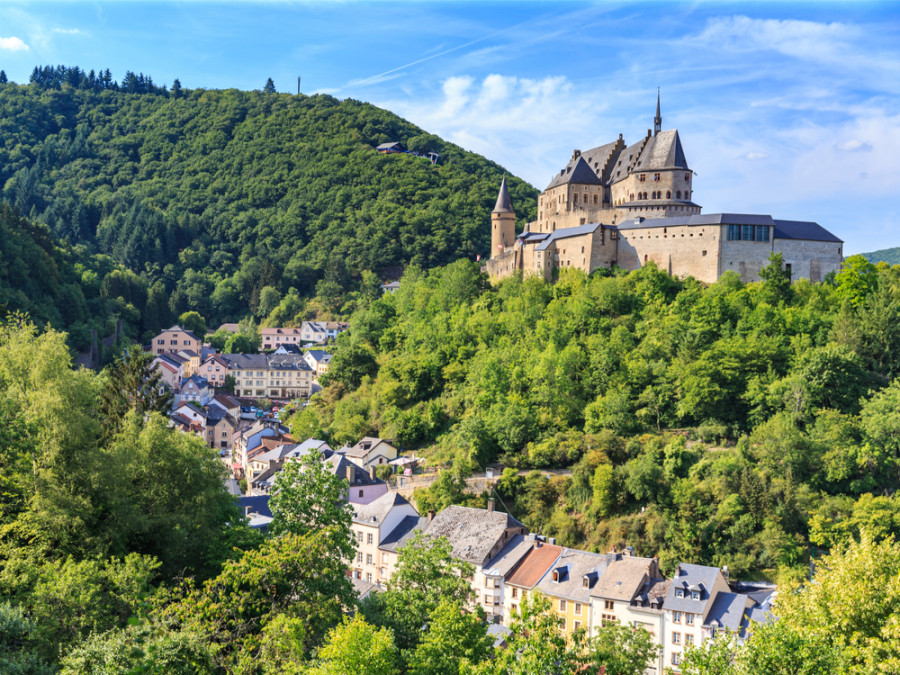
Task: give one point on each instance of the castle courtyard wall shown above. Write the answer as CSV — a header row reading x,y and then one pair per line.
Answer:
x,y
811,260
685,250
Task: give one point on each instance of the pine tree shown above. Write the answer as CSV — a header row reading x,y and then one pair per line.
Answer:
x,y
132,384
270,87
3,79
176,88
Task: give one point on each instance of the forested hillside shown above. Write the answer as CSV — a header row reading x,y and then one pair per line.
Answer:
x,y
229,199
735,424
889,255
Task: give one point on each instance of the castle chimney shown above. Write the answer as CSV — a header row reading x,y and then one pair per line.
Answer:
x,y
490,507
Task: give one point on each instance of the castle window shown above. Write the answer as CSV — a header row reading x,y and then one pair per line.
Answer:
x,y
656,176
668,195
747,232
645,257
643,177
595,199
762,233
687,177
574,199
677,194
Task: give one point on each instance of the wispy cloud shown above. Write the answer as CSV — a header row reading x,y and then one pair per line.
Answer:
x,y
69,31
13,44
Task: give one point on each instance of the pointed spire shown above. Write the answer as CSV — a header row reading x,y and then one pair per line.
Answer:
x,y
504,203
657,121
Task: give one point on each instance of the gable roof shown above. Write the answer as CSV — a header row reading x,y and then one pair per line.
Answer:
x,y
690,577
576,171
338,465
366,445
178,329
510,555
567,232
472,533
376,511
623,579
800,229
663,151
572,567
728,611
405,529
534,565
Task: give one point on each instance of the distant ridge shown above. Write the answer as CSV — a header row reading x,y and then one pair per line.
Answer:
x,y
889,255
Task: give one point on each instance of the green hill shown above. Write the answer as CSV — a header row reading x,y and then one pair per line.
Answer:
x,y
889,255
230,198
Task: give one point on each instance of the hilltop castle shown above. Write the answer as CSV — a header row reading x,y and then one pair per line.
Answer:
x,y
628,205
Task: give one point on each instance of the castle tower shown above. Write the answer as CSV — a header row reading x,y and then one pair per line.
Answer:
x,y
503,222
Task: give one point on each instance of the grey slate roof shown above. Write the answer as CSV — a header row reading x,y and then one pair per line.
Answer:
x,y
472,533
577,171
567,232
571,568
689,577
799,229
504,203
365,445
510,555
376,511
663,151
627,159
246,361
597,158
362,588
728,611
697,220
338,464
403,532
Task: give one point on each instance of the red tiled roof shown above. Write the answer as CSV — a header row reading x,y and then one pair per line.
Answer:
x,y
534,565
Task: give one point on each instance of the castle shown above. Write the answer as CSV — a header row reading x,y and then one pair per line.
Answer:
x,y
626,205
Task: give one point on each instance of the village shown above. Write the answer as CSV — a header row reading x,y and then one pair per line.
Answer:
x,y
587,590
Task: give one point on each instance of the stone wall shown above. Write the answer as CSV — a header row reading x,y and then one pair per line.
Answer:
x,y
682,251
811,260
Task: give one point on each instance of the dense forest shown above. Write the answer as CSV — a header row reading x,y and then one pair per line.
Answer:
x,y
735,424
234,203
889,255
122,552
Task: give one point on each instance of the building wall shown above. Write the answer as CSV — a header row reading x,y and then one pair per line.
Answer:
x,y
811,260
651,620
174,341
570,611
681,251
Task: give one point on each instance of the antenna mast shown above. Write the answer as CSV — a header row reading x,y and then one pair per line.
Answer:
x,y
298,85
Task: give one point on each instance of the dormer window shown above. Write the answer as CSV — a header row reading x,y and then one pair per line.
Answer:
x,y
695,595
585,582
556,576
679,592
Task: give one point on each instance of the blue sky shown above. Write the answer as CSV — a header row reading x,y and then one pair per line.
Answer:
x,y
791,109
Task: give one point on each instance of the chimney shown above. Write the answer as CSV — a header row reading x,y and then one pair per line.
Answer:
x,y
248,510
372,472
350,473
490,505
725,572
430,515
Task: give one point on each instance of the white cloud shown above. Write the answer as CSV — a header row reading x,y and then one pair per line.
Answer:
x,y
519,122
13,44
854,146
69,31
757,155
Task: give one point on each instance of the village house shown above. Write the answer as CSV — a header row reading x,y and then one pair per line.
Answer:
x,y
274,375
273,337
219,428
372,523
364,486
527,573
318,360
498,568
215,370
320,332
569,584
193,388
370,451
175,339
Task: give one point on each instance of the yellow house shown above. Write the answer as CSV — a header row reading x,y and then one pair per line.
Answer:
x,y
568,584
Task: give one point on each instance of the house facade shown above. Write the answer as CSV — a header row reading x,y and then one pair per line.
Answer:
x,y
175,339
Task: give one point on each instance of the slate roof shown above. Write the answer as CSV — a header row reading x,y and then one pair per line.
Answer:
x,y
289,348
362,588
504,203
623,579
403,532
338,464
698,219
572,567
510,555
534,565
287,362
365,445
176,327
567,232
319,355
663,151
626,161
472,533
577,171
258,504
598,158
807,230
653,594
690,577
376,511
246,361
728,611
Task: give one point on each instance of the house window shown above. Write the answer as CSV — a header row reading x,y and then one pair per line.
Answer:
x,y
368,559
369,577
562,605
609,604
160,342
762,233
359,558
577,625
369,538
689,618
688,638
361,494
488,600
676,658
359,536
676,617
606,619
515,592
577,609
642,177
747,232
695,595
676,638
